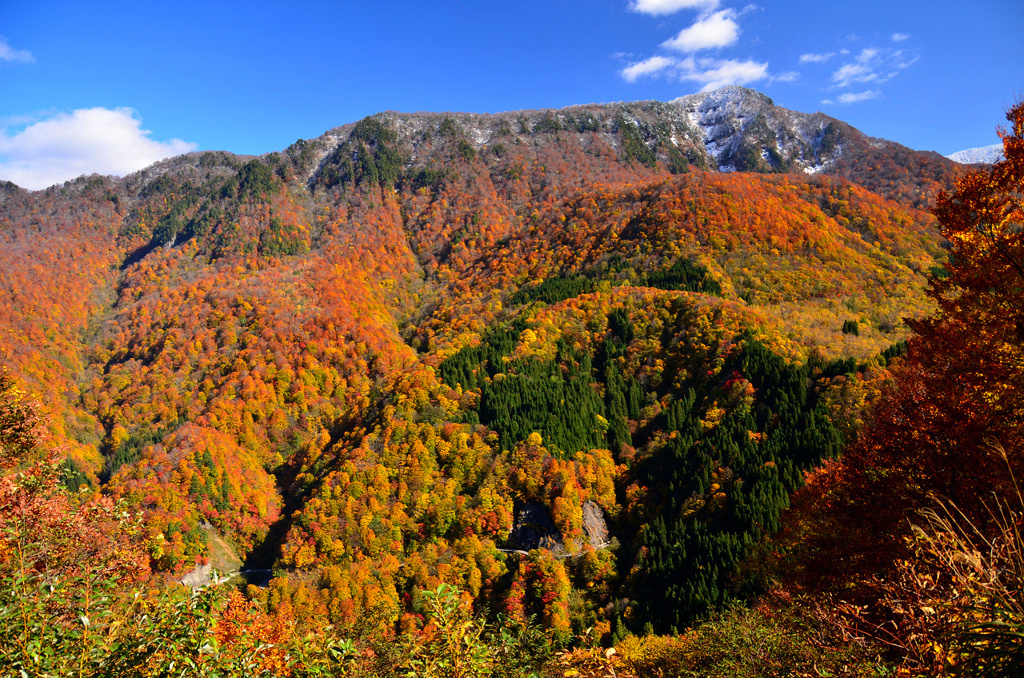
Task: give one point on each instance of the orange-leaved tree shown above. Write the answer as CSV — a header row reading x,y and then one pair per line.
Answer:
x,y
957,396
961,389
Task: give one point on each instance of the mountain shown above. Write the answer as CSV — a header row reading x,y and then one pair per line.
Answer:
x,y
744,130
730,129
972,156
366,359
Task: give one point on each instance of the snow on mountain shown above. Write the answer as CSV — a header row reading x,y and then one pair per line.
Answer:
x,y
985,154
744,130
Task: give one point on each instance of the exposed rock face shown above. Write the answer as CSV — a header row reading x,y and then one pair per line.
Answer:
x,y
594,526
201,576
533,528
223,560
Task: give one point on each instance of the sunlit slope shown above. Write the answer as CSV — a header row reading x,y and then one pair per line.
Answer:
x,y
362,358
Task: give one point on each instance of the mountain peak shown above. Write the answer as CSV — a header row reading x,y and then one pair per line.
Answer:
x,y
733,94
983,154
744,130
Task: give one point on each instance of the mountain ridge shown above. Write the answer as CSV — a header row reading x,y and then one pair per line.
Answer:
x,y
356,357
729,129
736,129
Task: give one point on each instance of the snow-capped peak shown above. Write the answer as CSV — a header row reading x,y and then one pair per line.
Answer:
x,y
986,154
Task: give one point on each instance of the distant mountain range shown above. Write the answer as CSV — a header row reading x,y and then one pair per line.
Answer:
x,y
984,154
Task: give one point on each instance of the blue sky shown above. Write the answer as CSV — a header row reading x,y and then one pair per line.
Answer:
x,y
104,86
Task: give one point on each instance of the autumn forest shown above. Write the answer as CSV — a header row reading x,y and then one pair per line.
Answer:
x,y
541,393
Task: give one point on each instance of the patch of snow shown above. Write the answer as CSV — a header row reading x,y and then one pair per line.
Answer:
x,y
986,154
714,150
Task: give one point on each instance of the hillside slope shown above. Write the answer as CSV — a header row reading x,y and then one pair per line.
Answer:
x,y
363,358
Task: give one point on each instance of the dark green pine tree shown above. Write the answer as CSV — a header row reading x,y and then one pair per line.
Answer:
x,y
716,492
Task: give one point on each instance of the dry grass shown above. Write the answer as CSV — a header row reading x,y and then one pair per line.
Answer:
x,y
984,613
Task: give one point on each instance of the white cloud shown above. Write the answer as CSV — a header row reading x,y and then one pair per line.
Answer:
x,y
67,145
901,61
872,65
718,29
8,53
899,37
816,58
646,67
851,98
714,73
660,7
827,102
853,73
711,73
788,76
